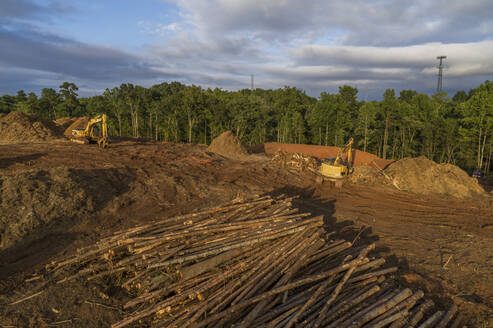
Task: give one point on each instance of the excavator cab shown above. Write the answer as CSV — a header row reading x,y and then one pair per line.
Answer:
x,y
336,169
330,169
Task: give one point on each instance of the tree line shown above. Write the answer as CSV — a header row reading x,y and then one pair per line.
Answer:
x,y
456,130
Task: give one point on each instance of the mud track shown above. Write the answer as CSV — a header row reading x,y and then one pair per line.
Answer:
x,y
443,245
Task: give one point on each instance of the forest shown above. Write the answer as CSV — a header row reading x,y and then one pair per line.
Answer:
x,y
456,130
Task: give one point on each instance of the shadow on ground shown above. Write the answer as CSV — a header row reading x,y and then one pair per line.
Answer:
x,y
364,235
27,159
40,210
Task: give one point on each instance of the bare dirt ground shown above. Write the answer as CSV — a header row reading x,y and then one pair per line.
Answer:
x,y
443,245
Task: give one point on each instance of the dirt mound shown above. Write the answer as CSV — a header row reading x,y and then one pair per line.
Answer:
x,y
64,122
77,123
381,163
17,127
228,145
423,176
321,152
367,174
36,203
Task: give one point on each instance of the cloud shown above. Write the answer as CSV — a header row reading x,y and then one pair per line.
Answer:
x,y
378,22
158,28
462,58
14,10
54,54
315,45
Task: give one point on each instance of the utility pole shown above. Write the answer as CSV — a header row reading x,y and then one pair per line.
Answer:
x,y
440,73
251,82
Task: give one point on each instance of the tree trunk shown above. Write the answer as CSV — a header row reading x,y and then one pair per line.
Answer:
x,y
132,121
54,112
156,124
394,146
366,134
205,132
326,133
386,134
150,125
482,152
137,124
189,129
403,143
478,162
488,163
191,123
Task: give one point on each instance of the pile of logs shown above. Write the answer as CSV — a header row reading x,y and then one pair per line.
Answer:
x,y
295,161
249,263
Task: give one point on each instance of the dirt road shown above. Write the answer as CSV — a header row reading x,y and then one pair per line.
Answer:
x,y
443,245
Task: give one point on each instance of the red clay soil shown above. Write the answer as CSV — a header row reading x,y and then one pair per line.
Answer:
x,y
82,193
321,152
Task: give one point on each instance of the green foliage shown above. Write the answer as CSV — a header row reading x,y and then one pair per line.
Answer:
x,y
407,95
366,128
459,97
48,103
68,104
7,103
457,130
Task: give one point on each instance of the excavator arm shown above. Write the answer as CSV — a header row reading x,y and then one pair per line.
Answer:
x,y
88,134
338,169
348,148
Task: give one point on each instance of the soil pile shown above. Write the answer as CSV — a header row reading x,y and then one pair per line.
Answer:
x,y
64,122
367,174
228,145
17,127
423,176
77,123
36,203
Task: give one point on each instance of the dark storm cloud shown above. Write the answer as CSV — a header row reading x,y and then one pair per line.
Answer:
x,y
315,45
34,58
31,50
20,9
355,22
320,44
13,79
11,10
188,49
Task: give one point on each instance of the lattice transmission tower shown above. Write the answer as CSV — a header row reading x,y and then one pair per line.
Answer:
x,y
440,73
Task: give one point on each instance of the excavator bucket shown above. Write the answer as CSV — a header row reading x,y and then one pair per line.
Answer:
x,y
82,141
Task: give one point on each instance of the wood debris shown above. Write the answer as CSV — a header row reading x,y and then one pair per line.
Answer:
x,y
254,263
295,161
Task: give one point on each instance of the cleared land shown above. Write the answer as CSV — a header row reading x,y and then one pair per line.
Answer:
x,y
58,196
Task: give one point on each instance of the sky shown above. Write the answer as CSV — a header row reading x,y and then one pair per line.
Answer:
x,y
314,45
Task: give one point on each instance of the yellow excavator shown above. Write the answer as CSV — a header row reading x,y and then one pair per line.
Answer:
x,y
336,169
96,131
